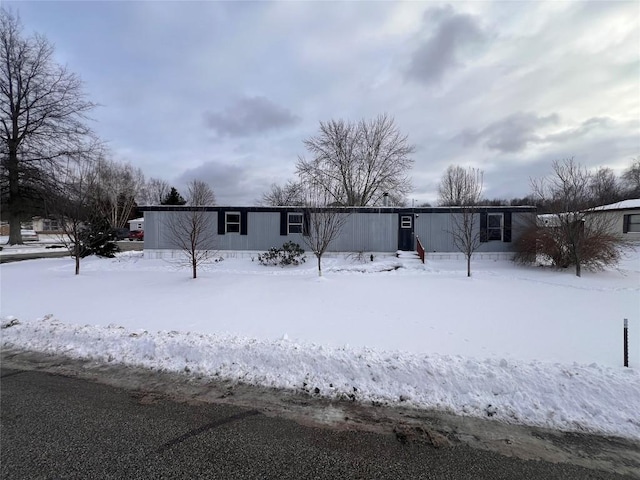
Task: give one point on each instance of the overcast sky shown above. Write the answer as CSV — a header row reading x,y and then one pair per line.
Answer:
x,y
227,92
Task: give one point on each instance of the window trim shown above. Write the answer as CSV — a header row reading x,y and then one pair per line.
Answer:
x,y
290,223
631,223
227,222
406,221
500,228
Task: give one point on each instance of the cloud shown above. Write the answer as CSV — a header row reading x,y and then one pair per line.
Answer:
x,y
453,34
511,134
583,129
239,183
250,116
222,178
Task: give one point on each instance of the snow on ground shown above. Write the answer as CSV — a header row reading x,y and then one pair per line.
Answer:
x,y
517,344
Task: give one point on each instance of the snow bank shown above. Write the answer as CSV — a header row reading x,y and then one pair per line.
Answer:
x,y
568,397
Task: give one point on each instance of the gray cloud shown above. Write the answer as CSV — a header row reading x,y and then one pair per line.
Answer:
x,y
223,179
249,116
445,48
580,131
240,183
511,134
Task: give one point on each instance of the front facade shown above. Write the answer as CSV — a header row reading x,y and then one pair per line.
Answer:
x,y
624,218
367,229
136,224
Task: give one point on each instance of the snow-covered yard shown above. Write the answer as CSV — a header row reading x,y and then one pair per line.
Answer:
x,y
517,344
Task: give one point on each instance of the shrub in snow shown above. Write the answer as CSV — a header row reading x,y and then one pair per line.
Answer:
x,y
289,254
97,239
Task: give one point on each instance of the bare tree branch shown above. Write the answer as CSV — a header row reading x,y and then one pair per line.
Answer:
x,y
153,192
463,188
117,186
291,193
323,223
192,231
355,163
460,186
42,116
73,203
573,233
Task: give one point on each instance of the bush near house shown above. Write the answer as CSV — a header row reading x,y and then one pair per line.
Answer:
x,y
568,244
289,254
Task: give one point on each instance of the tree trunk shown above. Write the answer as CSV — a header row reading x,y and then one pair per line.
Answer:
x,y
319,265
77,261
15,237
578,270
194,266
468,265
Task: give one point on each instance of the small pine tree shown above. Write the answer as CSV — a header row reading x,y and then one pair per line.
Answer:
x,y
173,198
97,239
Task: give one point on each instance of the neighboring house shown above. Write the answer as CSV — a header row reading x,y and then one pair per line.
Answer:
x,y
37,225
367,229
625,217
45,225
136,224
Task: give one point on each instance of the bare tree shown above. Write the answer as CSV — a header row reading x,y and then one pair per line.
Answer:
x,y
291,193
192,231
154,192
463,188
355,163
575,234
116,189
459,186
73,204
631,179
42,114
323,223
604,187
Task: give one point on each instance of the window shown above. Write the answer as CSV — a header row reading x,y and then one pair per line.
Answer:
x,y
633,223
494,226
50,224
405,221
232,222
295,223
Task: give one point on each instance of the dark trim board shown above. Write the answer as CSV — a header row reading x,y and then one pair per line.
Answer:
x,y
399,210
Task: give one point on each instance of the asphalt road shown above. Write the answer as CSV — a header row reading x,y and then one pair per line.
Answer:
x,y
54,426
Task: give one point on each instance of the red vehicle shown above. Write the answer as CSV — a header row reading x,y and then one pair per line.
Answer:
x,y
136,235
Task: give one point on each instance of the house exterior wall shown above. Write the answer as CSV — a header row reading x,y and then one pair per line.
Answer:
x,y
435,230
366,229
136,224
368,232
617,221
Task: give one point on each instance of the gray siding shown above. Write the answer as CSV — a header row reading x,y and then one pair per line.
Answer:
x,y
368,232
374,231
433,231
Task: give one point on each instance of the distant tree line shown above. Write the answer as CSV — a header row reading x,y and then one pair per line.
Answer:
x,y
604,187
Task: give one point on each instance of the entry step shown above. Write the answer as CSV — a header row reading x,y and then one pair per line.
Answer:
x,y
407,255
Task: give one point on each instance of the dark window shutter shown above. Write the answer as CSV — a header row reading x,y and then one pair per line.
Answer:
x,y
483,226
506,234
305,224
221,220
243,222
626,219
283,223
